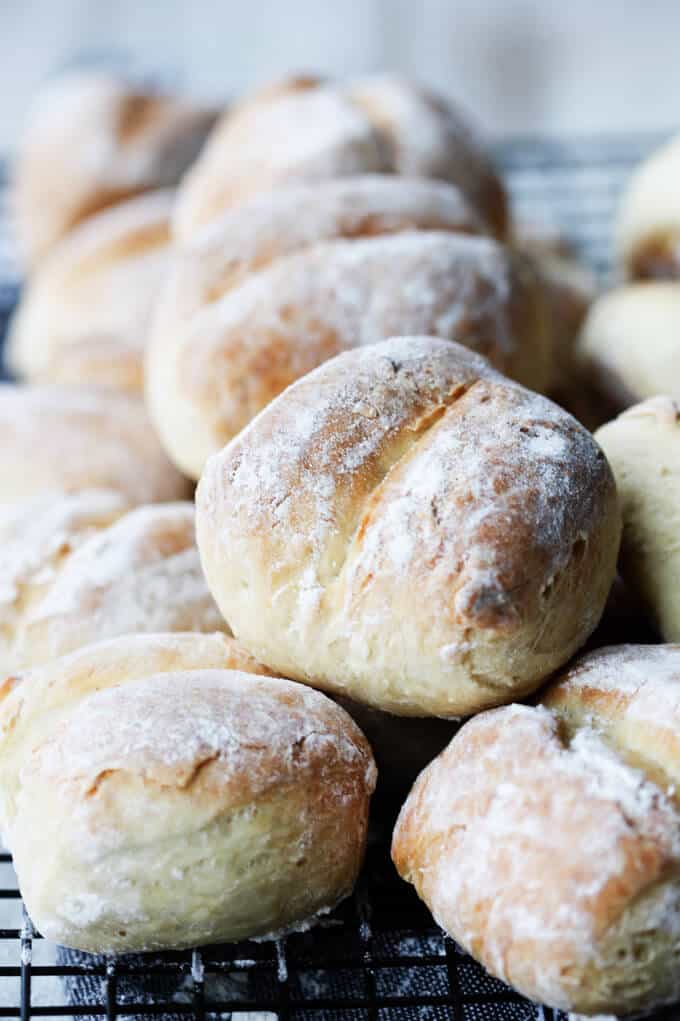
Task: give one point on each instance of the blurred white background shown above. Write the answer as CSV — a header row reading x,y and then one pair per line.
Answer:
x,y
522,66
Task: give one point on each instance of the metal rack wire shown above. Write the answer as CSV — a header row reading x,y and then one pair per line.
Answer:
x,y
379,957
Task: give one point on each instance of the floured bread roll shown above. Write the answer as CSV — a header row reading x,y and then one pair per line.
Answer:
x,y
297,135
303,130
546,840
428,136
33,702
60,438
643,447
210,370
90,574
91,140
630,343
85,314
648,227
203,805
407,527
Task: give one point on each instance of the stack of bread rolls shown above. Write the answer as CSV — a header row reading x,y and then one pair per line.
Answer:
x,y
328,320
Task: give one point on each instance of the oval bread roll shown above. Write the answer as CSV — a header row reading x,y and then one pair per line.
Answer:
x,y
407,527
206,377
305,130
86,576
630,343
268,227
297,135
32,702
94,139
203,806
428,136
546,840
66,439
85,314
643,447
648,227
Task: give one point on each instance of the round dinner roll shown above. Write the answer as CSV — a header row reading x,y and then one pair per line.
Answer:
x,y
85,314
203,805
643,448
88,575
296,135
91,140
209,373
70,438
648,228
32,702
546,840
428,136
630,343
406,527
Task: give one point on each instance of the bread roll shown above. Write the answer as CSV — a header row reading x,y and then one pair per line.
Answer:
x,y
66,439
643,447
546,840
407,527
298,135
34,701
305,130
85,314
570,287
629,346
268,227
203,805
207,376
75,573
648,228
428,136
91,140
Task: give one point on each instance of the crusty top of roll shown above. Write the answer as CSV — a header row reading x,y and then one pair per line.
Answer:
x,y
633,694
59,438
410,482
547,840
382,123
428,136
304,135
226,361
32,701
294,217
92,139
138,573
86,312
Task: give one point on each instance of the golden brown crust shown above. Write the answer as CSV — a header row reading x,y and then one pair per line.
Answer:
x,y
93,140
407,527
68,439
33,700
296,135
307,130
657,258
547,841
79,569
428,136
209,375
84,316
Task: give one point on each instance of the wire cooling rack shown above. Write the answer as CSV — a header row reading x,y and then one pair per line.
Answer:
x,y
379,957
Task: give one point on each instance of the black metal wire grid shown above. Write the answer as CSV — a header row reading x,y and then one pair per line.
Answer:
x,y
379,956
